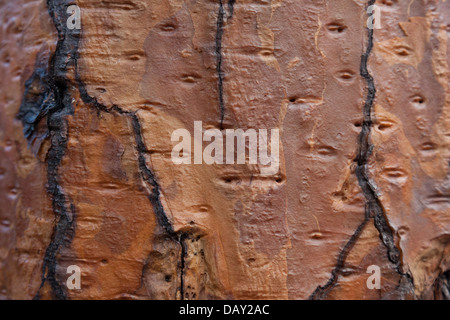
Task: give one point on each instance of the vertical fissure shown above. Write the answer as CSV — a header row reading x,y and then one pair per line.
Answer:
x,y
166,231
373,208
47,97
231,8
184,252
364,152
219,60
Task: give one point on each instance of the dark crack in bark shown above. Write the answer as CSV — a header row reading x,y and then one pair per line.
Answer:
x,y
374,208
150,179
362,171
321,292
362,158
166,232
219,61
219,56
442,286
47,97
184,252
231,8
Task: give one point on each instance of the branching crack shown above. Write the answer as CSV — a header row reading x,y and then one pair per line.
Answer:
x,y
147,175
47,96
374,208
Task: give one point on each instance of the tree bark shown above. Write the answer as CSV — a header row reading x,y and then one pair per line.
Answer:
x,y
86,149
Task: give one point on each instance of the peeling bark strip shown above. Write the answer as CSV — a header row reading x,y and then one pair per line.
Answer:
x,y
47,96
373,208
